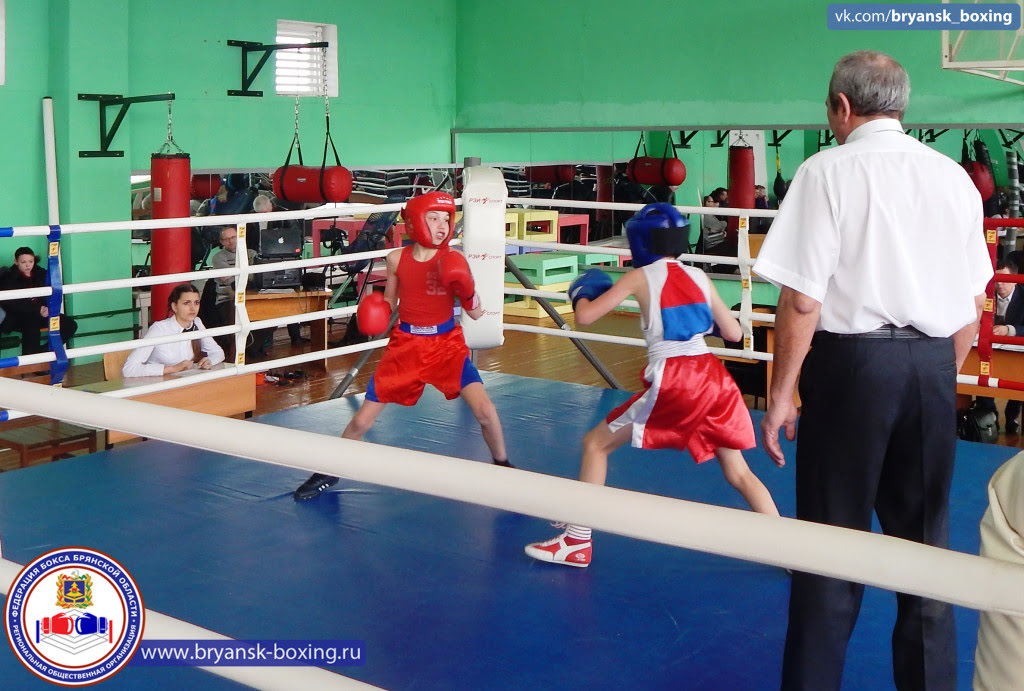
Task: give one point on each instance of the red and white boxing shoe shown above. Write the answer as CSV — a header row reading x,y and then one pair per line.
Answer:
x,y
558,551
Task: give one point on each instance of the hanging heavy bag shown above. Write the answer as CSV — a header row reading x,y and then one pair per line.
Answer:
x,y
307,184
979,172
204,186
977,424
550,175
651,170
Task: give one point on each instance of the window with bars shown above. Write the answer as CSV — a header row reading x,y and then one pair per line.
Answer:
x,y
306,71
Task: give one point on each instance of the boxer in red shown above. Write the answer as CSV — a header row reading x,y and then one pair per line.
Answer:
x,y
689,400
427,347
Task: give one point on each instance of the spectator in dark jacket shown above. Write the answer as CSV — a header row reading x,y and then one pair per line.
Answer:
x,y
29,315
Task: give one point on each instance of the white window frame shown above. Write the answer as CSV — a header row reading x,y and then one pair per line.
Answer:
x,y
306,71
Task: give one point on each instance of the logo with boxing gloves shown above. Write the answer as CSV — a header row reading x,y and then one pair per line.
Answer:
x,y
74,616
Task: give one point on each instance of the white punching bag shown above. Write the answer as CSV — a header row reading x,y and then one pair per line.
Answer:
x,y
483,243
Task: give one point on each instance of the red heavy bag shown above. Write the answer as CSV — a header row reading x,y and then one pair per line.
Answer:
x,y
741,185
981,176
171,247
651,170
205,186
551,175
312,184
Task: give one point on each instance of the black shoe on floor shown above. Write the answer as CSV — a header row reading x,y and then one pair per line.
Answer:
x,y
504,464
311,488
1012,427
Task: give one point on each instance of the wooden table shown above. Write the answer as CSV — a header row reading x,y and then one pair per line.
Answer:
x,y
227,396
1006,364
267,305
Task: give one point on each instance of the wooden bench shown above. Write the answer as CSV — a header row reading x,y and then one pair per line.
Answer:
x,y
42,439
36,438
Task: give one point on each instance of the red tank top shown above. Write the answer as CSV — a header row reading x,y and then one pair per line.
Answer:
x,y
422,299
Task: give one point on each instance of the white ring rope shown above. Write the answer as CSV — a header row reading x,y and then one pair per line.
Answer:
x,y
163,627
244,326
870,558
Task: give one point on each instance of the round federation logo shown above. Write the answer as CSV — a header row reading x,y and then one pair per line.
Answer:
x,y
74,616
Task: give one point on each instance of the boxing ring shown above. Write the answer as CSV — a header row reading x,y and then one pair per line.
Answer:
x,y
418,552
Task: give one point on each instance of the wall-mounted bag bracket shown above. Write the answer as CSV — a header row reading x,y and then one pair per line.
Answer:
x,y
253,47
107,136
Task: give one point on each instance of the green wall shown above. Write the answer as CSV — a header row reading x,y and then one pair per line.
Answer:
x,y
22,176
667,63
396,61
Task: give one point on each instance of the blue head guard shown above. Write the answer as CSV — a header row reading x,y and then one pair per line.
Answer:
x,y
656,231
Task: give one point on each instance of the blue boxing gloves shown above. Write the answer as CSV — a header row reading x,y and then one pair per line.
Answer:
x,y
90,623
591,285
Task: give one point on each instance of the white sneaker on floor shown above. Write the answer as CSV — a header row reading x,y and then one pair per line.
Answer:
x,y
556,551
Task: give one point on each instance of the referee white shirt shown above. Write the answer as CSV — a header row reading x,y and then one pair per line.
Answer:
x,y
881,230
149,361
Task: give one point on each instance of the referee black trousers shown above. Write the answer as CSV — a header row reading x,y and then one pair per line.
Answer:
x,y
876,433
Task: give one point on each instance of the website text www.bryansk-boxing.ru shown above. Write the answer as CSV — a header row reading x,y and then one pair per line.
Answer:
x,y
249,653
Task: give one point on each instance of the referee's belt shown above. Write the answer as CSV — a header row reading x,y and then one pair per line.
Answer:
x,y
436,330
885,332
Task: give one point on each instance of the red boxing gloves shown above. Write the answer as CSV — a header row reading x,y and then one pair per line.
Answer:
x,y
373,314
59,623
457,278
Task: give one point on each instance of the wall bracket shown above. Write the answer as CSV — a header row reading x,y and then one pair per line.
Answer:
x,y
253,47
684,139
107,136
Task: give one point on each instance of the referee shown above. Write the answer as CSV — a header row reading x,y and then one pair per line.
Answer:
x,y
880,255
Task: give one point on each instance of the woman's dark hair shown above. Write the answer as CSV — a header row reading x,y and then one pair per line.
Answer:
x,y
177,292
23,250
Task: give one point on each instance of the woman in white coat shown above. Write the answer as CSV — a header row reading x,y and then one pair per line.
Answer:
x,y
168,358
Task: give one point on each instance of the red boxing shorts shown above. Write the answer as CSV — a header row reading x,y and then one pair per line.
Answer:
x,y
689,402
411,361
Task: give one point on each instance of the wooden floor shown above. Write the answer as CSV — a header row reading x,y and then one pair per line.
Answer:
x,y
523,354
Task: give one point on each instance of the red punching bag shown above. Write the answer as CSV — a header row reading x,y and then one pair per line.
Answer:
x,y
741,185
205,186
550,175
172,247
654,170
651,170
313,184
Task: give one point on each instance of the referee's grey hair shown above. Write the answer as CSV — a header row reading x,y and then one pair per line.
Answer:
x,y
874,83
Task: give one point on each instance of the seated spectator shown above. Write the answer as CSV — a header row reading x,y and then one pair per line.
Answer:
x,y
1009,321
713,237
168,358
759,224
226,258
29,315
760,197
712,228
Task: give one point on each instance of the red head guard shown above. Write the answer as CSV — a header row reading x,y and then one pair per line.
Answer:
x,y
415,212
